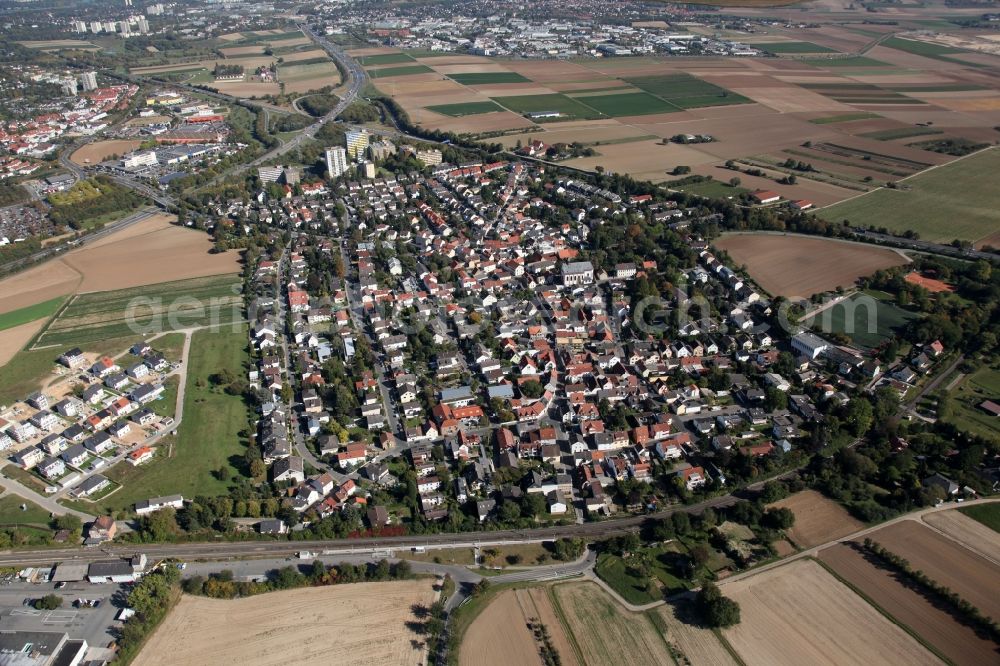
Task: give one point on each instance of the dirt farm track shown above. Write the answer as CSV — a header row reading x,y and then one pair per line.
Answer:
x,y
363,623
800,266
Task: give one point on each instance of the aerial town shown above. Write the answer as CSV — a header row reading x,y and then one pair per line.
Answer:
x,y
495,326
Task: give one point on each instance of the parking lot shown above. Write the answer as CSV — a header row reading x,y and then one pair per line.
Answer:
x,y
95,625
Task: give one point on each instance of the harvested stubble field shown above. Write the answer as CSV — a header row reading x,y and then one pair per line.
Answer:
x,y
605,632
363,623
798,613
950,637
958,200
99,151
698,645
500,635
972,577
818,519
799,266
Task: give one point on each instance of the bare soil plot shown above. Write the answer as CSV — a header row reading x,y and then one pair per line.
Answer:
x,y
291,58
699,645
37,284
13,340
364,623
818,519
642,159
247,88
952,638
800,614
153,251
606,632
99,151
971,576
484,122
797,266
230,51
967,531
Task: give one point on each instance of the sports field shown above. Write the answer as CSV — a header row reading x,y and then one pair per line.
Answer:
x,y
213,300
483,78
958,200
465,108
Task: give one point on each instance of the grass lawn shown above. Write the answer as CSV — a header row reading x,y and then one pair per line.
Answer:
x,y
854,61
170,345
844,118
384,59
465,108
901,133
867,327
958,200
634,589
11,514
628,104
405,70
794,47
569,108
24,477
686,91
144,310
712,189
483,78
208,437
166,405
460,556
30,313
983,384
987,514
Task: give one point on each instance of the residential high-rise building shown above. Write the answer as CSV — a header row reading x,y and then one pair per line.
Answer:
x,y
336,161
109,26
368,169
143,25
126,28
154,10
96,27
269,174
88,80
79,26
429,157
69,86
357,143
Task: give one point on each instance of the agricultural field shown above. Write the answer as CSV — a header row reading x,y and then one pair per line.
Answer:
x,y
465,108
208,438
987,514
818,520
29,314
484,78
384,59
214,301
403,70
698,645
605,632
793,47
969,575
777,262
568,107
798,613
500,635
960,193
60,45
627,104
959,525
867,321
907,606
266,629
686,92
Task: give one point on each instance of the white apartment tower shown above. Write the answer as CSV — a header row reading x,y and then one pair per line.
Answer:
x,y
336,161
357,143
88,80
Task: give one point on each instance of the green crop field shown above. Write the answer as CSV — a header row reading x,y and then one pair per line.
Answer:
x,y
483,78
958,200
208,438
384,59
867,327
919,48
570,108
794,47
901,133
406,70
30,313
930,88
628,104
686,91
86,318
853,61
844,118
465,108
